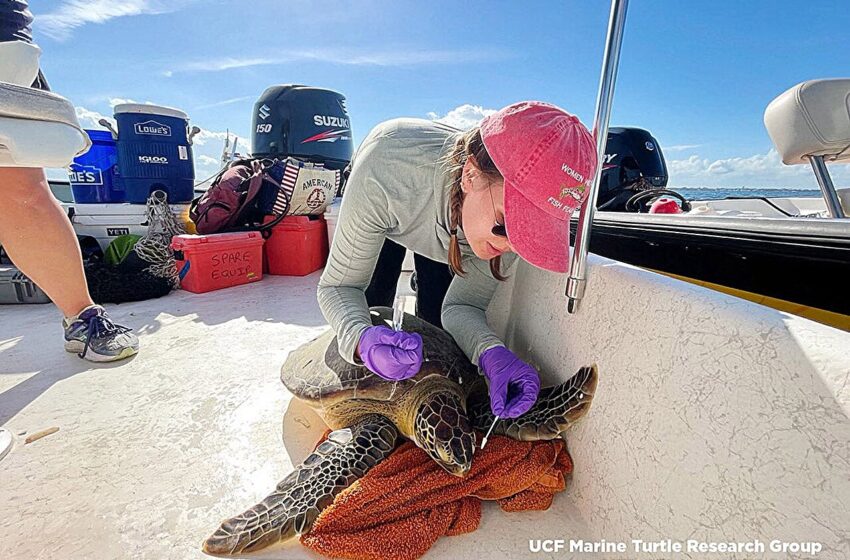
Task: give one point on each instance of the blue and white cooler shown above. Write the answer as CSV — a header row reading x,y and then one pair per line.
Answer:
x,y
92,174
154,152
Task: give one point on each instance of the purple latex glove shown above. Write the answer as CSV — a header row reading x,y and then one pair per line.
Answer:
x,y
514,385
394,355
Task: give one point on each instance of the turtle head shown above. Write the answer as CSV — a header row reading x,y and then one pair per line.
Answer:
x,y
442,428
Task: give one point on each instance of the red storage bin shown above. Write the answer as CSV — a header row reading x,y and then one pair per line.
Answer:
x,y
298,246
222,260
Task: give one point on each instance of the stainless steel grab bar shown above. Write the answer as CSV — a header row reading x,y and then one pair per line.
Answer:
x,y
610,63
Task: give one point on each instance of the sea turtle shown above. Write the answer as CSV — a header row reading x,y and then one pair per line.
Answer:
x,y
437,409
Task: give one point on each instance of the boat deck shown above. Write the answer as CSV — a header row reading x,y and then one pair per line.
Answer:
x,y
152,453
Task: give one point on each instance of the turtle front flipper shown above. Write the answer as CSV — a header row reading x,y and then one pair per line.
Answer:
x,y
555,410
291,509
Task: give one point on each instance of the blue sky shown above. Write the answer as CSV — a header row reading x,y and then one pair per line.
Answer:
x,y
698,78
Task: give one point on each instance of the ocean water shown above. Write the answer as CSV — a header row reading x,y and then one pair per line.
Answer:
x,y
714,193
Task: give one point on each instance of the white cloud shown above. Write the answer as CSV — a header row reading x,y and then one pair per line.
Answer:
x,y
89,119
205,136
389,57
463,117
227,102
224,63
207,146
207,160
71,14
760,170
720,168
680,147
205,166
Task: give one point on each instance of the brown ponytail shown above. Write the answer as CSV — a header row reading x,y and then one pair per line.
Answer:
x,y
469,144
455,207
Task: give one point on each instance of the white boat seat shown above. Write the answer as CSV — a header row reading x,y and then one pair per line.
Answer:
x,y
38,128
811,119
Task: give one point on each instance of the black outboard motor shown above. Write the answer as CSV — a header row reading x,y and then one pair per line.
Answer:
x,y
305,122
633,163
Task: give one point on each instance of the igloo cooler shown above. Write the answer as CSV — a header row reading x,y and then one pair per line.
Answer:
x,y
154,152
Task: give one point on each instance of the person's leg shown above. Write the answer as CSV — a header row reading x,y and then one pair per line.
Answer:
x,y
34,230
40,240
432,281
381,290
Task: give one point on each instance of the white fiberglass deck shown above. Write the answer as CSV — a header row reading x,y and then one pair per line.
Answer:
x,y
152,453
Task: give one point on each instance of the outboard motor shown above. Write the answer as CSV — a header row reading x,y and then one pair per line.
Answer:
x,y
633,163
304,122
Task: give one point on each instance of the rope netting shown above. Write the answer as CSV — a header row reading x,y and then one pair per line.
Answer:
x,y
155,246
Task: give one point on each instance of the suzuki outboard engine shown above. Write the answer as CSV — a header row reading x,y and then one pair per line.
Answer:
x,y
304,122
633,163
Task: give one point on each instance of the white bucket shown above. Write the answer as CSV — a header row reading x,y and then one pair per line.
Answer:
x,y
331,216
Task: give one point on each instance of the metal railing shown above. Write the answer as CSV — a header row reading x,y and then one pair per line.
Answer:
x,y
830,197
610,63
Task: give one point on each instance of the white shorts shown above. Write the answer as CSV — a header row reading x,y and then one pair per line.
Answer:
x,y
19,62
37,128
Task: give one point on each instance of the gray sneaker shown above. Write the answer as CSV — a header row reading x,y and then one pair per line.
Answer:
x,y
94,337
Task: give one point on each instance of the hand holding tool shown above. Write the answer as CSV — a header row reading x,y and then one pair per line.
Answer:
x,y
513,384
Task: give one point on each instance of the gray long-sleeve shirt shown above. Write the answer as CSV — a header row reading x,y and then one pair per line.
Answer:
x,y
398,189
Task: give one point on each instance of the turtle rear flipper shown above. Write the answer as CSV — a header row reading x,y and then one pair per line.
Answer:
x,y
291,509
555,410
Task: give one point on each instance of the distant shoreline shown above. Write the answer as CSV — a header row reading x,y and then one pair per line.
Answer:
x,y
809,189
714,193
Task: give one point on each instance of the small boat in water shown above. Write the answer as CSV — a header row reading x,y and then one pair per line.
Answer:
x,y
791,253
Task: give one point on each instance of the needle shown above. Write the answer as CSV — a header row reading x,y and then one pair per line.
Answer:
x,y
398,313
493,425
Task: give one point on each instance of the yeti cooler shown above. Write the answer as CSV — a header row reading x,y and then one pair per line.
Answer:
x,y
105,222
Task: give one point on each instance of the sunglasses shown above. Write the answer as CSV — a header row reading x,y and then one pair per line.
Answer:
x,y
498,229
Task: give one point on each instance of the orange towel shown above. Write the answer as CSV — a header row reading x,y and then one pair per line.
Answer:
x,y
405,503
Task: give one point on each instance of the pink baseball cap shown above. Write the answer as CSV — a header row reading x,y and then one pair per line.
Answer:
x,y
548,160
